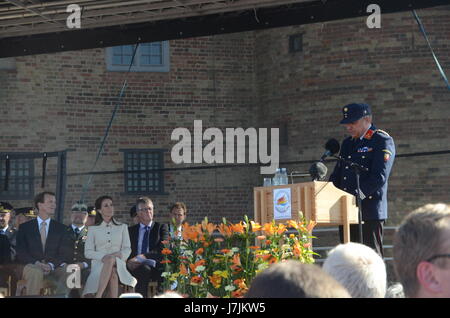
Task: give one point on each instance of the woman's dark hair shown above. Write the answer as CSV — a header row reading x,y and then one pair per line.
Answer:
x,y
98,206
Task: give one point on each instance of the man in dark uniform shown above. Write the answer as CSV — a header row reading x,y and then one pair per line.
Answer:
x,y
374,149
77,231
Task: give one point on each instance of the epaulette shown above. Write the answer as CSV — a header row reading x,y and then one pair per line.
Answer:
x,y
383,132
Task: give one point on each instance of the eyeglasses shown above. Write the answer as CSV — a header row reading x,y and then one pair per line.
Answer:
x,y
145,209
437,256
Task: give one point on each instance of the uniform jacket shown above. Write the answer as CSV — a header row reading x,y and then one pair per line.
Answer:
x,y
58,247
78,244
11,234
375,151
5,251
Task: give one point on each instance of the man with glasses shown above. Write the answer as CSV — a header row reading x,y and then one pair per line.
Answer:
x,y
422,252
146,245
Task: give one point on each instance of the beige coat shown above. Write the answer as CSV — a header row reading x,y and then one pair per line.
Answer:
x,y
102,240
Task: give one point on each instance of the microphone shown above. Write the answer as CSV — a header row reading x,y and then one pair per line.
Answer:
x,y
318,171
332,146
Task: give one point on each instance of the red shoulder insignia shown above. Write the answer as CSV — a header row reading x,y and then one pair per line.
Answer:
x,y
369,134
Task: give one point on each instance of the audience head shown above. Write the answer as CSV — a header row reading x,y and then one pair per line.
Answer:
x,y
169,294
395,291
144,209
133,215
91,215
45,203
79,214
105,209
178,212
24,215
292,279
5,214
422,252
358,268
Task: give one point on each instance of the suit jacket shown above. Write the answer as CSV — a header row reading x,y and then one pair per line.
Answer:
x,y
11,234
158,233
58,246
375,151
5,251
78,245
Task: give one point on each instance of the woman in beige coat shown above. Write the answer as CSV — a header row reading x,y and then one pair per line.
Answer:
x,y
108,245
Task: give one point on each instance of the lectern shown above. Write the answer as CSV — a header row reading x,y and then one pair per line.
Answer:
x,y
319,201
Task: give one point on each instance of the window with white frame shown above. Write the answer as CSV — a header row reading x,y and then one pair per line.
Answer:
x,y
150,57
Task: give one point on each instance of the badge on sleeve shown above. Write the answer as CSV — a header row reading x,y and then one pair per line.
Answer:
x,y
387,155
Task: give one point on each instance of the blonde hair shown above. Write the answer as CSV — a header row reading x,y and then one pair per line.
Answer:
x,y
418,238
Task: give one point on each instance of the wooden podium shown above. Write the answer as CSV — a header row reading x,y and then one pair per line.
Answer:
x,y
319,201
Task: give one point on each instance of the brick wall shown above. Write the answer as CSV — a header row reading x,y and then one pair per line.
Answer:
x,y
64,100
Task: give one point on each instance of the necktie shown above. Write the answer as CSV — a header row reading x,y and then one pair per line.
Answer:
x,y
145,241
43,232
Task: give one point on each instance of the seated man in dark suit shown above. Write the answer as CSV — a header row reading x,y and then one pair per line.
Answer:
x,y
146,246
42,245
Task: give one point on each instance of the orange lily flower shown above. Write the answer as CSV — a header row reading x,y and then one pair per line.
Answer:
x,y
261,237
199,251
254,247
225,230
297,250
215,280
281,229
225,251
196,280
240,283
293,224
237,228
183,270
255,226
209,227
166,261
166,251
311,225
165,242
218,240
307,245
269,229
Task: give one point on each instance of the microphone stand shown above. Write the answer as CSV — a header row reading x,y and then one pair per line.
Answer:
x,y
358,169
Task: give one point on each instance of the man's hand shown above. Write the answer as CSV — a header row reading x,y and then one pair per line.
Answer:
x,y
133,264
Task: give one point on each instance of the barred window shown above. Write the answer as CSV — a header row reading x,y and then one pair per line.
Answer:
x,y
20,185
141,171
150,57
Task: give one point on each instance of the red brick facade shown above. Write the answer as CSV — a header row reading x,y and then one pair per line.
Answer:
x,y
64,101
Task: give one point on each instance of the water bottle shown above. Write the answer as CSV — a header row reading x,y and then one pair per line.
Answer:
x,y
284,176
276,178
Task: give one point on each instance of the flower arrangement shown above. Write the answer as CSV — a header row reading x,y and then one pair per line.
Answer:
x,y
221,260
